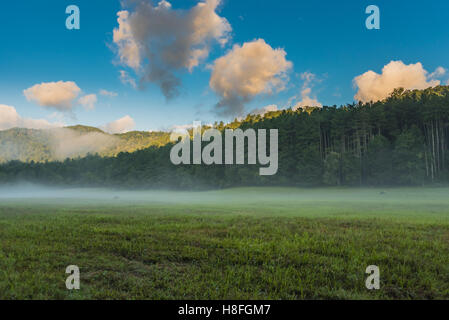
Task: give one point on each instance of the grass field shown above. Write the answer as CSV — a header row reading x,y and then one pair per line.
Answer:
x,y
250,243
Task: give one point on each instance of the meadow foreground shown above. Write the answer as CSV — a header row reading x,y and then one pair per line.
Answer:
x,y
247,243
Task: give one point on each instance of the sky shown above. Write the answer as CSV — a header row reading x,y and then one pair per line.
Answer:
x,y
169,63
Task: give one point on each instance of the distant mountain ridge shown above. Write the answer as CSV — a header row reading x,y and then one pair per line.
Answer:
x,y
41,145
84,129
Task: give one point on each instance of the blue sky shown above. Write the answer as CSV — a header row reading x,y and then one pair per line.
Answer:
x,y
326,38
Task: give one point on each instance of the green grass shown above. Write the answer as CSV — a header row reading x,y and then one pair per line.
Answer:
x,y
253,243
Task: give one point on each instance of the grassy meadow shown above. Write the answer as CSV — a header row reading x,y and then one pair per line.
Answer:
x,y
246,243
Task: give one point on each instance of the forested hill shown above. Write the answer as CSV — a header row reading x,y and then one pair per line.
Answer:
x,y
402,140
72,142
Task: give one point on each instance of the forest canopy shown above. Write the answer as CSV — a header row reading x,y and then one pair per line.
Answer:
x,y
402,140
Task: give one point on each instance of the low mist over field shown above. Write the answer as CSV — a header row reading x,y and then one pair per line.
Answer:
x,y
410,203
243,243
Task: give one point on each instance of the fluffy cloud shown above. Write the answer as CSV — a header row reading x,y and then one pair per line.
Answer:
x,y
9,118
439,72
182,128
88,101
306,100
158,41
247,71
126,79
306,91
107,93
127,46
374,87
264,110
59,95
121,125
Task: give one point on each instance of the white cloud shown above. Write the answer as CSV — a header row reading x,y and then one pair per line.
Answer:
x,y
265,110
121,125
126,79
374,87
439,72
59,95
88,101
157,41
306,100
306,92
180,128
128,47
246,71
308,77
107,93
9,118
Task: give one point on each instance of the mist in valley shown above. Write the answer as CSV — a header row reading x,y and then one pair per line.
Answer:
x,y
424,203
54,144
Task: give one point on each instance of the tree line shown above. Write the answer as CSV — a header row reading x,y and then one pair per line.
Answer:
x,y
400,141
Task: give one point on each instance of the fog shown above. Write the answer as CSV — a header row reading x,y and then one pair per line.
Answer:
x,y
56,143
269,199
31,193
67,143
27,191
